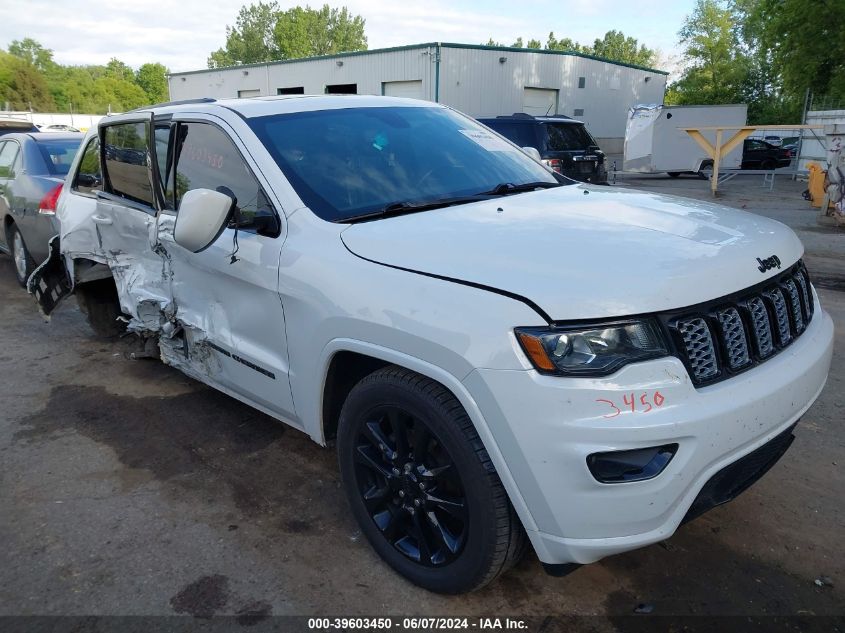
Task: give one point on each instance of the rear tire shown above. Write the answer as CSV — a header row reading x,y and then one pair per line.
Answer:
x,y
100,304
22,260
705,164
421,484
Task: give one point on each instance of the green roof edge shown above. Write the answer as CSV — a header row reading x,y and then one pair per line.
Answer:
x,y
425,45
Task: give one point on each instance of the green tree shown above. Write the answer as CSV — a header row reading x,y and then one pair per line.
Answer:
x,y
118,70
308,32
30,78
534,44
263,32
22,86
564,44
251,39
517,43
802,48
717,69
30,50
152,79
94,89
614,45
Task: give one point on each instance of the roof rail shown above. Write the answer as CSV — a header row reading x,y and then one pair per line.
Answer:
x,y
176,103
531,117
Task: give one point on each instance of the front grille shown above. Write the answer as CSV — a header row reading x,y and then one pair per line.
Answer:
x,y
723,337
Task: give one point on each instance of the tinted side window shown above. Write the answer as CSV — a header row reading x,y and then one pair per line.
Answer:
x,y
206,158
88,176
8,153
523,134
126,156
567,136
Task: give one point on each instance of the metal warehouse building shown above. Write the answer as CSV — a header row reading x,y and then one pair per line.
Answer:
x,y
477,80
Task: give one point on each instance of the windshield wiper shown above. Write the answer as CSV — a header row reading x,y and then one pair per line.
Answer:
x,y
404,207
505,188
401,208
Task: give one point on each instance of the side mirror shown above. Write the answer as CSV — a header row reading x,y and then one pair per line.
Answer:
x,y
533,153
202,216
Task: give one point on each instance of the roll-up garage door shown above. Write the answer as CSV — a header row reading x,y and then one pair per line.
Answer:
x,y
539,101
408,89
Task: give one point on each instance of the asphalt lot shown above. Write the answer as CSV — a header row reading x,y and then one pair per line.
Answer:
x,y
127,488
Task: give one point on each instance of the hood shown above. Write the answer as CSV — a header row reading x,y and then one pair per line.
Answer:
x,y
582,252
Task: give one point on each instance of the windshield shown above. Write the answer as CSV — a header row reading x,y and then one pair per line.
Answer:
x,y
58,154
346,163
567,137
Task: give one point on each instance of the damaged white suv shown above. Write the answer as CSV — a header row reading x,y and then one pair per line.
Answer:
x,y
499,353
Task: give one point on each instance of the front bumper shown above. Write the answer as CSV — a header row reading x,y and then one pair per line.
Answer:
x,y
546,426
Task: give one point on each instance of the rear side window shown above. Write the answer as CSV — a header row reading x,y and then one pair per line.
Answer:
x,y
58,155
561,137
206,158
523,134
126,155
88,177
8,153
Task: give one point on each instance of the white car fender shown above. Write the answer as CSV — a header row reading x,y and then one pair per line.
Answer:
x,y
453,384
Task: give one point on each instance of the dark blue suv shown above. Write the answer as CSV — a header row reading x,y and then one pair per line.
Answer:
x,y
564,144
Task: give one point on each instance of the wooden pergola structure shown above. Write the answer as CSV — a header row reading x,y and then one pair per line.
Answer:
x,y
723,146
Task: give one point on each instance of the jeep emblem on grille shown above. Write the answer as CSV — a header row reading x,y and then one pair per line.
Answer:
x,y
768,263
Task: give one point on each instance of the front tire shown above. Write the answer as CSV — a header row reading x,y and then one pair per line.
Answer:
x,y
421,484
24,264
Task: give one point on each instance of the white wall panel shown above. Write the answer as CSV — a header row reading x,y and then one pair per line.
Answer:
x,y
478,81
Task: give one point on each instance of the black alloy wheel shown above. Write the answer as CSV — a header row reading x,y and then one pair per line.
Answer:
x,y
410,486
422,486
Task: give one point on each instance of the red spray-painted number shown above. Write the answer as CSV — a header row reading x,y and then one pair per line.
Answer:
x,y
645,403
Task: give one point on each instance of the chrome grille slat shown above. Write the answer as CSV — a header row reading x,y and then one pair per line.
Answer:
x,y
795,305
731,334
781,315
805,293
762,326
700,349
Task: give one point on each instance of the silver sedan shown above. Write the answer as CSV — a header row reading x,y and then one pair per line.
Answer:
x,y
33,167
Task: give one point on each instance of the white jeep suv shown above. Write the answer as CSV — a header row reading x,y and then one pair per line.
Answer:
x,y
498,353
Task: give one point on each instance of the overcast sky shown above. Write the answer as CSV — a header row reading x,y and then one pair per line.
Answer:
x,y
181,33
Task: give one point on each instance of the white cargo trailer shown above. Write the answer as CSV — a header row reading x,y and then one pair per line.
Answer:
x,y
655,140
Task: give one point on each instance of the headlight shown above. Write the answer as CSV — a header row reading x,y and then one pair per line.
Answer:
x,y
595,350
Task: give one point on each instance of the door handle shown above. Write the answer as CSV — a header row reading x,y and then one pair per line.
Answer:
x,y
101,219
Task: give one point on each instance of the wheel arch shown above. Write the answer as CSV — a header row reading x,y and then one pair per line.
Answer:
x,y
704,163
85,269
344,353
8,221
